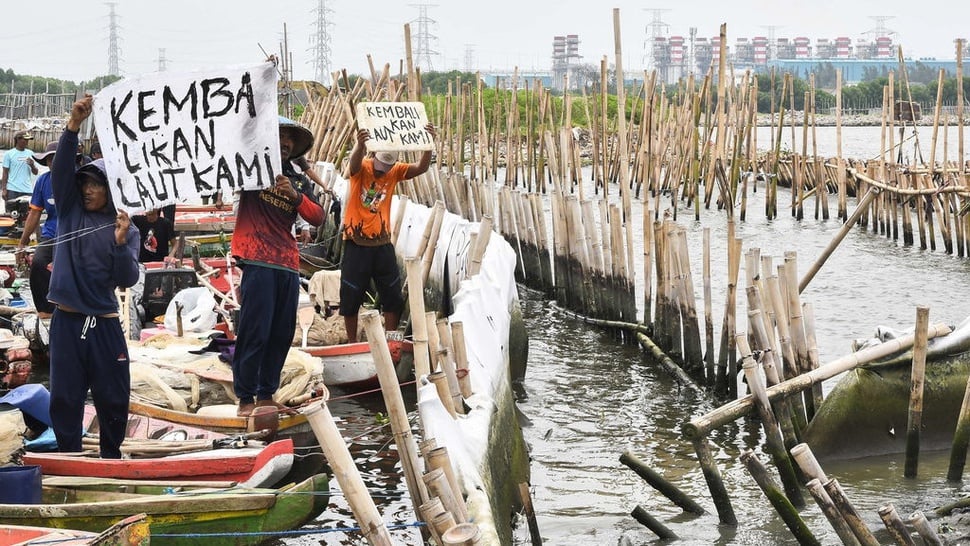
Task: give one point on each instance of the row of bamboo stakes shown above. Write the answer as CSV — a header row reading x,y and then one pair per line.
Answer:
x,y
525,178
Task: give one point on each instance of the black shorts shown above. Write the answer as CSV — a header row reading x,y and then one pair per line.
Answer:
x,y
360,265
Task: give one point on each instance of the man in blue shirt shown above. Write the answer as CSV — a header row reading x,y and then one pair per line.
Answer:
x,y
18,167
41,201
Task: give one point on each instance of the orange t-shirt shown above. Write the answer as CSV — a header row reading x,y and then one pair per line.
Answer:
x,y
367,218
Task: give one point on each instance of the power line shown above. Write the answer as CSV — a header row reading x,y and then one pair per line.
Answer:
x,y
114,52
423,51
320,43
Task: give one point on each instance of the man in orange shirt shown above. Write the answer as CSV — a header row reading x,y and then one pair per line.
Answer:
x,y
368,252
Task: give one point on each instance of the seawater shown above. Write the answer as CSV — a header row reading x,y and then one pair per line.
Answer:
x,y
586,398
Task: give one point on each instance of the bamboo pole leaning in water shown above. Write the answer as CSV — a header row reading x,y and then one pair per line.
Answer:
x,y
781,504
774,442
525,495
391,390
650,522
961,439
816,476
894,524
915,415
661,484
351,484
850,514
846,227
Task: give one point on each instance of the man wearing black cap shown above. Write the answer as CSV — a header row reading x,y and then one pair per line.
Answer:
x,y
41,201
267,253
18,166
97,253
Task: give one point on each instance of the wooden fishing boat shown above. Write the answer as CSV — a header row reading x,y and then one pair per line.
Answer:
x,y
131,531
256,466
177,513
867,411
351,365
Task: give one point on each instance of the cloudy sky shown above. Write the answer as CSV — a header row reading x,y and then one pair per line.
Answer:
x,y
69,39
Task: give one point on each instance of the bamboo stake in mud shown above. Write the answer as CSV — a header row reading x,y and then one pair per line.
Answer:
x,y
386,374
850,514
708,313
351,484
650,522
778,500
775,443
915,421
831,513
722,502
894,524
661,484
530,514
919,522
961,440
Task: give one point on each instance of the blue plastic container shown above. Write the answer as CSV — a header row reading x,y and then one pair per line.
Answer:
x,y
20,484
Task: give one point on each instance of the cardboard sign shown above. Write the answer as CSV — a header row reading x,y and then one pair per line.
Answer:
x,y
395,126
172,138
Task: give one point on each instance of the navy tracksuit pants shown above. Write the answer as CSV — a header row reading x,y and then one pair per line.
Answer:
x,y
268,299
88,353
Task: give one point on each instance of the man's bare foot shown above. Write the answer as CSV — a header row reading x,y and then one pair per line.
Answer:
x,y
245,410
285,410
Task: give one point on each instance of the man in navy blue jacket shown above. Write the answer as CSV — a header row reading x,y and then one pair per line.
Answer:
x,y
98,252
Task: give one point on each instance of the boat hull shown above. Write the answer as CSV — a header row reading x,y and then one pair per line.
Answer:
x,y
867,412
221,517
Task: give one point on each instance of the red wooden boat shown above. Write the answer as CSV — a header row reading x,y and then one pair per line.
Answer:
x,y
351,365
261,466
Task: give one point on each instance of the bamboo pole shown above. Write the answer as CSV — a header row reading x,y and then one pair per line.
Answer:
x,y
722,501
530,514
419,328
661,484
831,513
894,524
961,439
386,374
774,442
650,522
849,223
438,458
852,518
778,500
915,415
351,484
463,534
924,529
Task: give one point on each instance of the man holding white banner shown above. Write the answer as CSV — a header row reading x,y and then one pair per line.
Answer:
x,y
269,257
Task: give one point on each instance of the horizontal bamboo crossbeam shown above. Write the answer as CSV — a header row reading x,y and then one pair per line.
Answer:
x,y
701,426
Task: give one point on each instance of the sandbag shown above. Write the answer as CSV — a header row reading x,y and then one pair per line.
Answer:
x,y
198,314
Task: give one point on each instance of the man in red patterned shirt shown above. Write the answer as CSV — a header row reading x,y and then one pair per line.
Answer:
x,y
266,251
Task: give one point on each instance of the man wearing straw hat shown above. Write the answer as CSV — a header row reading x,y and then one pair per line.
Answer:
x,y
368,252
269,257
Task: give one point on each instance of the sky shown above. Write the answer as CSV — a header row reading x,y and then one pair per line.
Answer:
x,y
69,39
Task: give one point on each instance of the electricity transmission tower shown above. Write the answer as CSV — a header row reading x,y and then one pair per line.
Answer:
x,y
656,30
113,50
423,51
161,59
469,57
320,43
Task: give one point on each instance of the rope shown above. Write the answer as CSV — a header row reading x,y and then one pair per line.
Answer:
x,y
294,532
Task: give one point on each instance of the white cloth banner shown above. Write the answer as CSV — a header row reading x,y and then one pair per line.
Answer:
x,y
173,137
